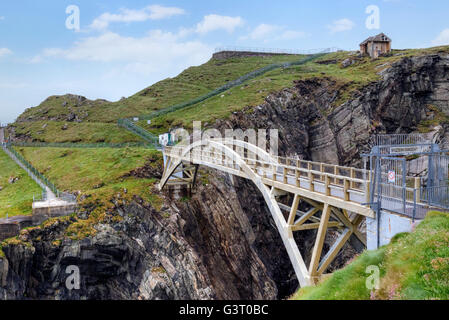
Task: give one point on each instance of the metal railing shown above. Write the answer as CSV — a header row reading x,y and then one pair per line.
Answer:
x,y
227,86
299,173
400,139
146,135
131,126
37,176
436,196
276,50
82,145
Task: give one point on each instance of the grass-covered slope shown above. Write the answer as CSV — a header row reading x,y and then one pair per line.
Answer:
x,y
71,118
94,121
73,132
97,173
349,79
15,198
412,266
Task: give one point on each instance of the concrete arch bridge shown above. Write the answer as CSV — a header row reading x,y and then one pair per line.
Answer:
x,y
337,195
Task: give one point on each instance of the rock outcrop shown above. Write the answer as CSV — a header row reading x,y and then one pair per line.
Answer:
x,y
311,125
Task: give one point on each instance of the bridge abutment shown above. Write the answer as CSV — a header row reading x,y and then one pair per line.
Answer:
x,y
380,230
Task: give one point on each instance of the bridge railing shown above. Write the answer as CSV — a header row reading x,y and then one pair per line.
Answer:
x,y
400,139
286,172
435,196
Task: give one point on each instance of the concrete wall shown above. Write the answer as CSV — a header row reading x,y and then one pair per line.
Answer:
x,y
9,230
390,224
42,214
11,227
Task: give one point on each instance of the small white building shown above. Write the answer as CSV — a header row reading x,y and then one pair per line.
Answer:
x,y
166,138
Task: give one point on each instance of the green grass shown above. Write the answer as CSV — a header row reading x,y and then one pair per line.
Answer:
x,y
100,175
87,132
99,117
347,81
414,266
95,172
190,84
17,198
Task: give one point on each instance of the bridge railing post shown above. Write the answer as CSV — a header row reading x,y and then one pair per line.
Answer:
x,y
352,174
367,191
346,189
327,185
285,175
336,174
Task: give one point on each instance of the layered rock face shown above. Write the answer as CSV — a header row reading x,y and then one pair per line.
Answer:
x,y
222,243
212,247
311,126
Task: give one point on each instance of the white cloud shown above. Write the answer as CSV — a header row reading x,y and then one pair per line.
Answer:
x,y
341,25
151,53
4,52
291,35
263,30
269,32
215,22
442,38
153,12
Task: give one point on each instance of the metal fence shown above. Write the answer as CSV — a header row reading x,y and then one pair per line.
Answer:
x,y
276,50
82,145
400,139
149,137
435,196
227,86
146,135
33,171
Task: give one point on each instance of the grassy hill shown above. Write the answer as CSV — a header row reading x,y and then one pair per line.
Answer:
x,y
95,121
15,198
95,173
413,266
72,118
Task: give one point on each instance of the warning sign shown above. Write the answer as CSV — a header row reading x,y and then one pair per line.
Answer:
x,y
391,177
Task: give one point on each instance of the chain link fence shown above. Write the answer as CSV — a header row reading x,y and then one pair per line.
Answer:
x,y
40,179
228,86
276,50
83,145
144,134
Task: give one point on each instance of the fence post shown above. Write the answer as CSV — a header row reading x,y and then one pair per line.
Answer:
x,y
327,185
414,205
418,187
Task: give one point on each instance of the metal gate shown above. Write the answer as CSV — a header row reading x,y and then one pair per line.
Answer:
x,y
392,193
436,192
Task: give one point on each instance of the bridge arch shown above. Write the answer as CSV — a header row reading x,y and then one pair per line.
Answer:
x,y
328,204
287,237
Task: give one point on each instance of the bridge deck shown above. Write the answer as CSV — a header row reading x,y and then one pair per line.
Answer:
x,y
309,179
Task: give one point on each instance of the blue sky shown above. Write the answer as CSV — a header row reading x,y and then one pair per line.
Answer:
x,y
123,46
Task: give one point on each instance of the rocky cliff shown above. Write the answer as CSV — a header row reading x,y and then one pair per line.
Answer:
x,y
412,95
221,243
